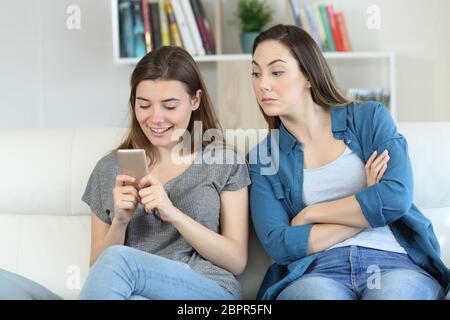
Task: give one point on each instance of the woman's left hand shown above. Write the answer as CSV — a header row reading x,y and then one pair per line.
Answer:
x,y
153,196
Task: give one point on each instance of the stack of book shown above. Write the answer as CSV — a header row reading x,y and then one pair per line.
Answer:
x,y
327,27
370,94
148,24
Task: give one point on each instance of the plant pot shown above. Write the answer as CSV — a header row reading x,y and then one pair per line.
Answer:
x,y
247,39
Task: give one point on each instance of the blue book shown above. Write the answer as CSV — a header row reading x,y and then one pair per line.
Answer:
x,y
126,28
140,49
313,25
296,13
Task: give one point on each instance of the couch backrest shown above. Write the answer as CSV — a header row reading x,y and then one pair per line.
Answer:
x,y
429,150
48,170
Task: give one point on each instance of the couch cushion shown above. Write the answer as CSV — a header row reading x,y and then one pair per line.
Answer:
x,y
51,250
440,218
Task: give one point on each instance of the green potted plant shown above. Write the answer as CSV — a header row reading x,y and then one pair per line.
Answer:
x,y
252,16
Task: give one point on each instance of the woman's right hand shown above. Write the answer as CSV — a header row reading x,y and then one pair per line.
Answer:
x,y
126,198
376,167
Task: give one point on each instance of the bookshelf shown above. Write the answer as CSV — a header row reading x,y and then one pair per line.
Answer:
x,y
223,61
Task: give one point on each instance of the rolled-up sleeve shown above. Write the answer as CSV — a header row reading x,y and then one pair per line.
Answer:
x,y
282,242
386,201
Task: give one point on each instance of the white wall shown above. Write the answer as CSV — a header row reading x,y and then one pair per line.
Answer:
x,y
54,77
418,31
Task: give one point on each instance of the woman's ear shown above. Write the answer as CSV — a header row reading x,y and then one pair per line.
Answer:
x,y
195,101
308,84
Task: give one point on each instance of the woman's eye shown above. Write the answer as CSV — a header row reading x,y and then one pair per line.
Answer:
x,y
144,107
169,107
277,73
255,74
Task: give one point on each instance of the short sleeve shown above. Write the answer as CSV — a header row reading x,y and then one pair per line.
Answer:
x,y
93,195
239,176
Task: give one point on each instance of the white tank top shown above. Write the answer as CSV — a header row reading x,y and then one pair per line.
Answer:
x,y
339,179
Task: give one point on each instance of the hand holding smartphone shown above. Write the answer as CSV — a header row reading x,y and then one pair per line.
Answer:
x,y
133,162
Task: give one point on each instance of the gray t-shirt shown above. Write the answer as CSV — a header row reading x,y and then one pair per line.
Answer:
x,y
196,192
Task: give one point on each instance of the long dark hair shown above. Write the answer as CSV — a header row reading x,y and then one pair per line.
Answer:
x,y
169,63
324,90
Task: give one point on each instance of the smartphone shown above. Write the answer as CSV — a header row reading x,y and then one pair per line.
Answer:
x,y
133,162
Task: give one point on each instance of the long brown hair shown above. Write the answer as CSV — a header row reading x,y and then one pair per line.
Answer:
x,y
169,63
312,63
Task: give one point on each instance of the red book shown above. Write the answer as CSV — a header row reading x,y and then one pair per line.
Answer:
x,y
199,19
146,18
334,28
203,26
342,27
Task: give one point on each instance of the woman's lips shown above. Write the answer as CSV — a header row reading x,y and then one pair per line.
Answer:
x,y
268,101
159,132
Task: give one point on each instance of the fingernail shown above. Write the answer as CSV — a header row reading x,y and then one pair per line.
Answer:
x,y
385,152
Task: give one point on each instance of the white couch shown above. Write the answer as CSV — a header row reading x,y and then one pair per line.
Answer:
x,y
45,227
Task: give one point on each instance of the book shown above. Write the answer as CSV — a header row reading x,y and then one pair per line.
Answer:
x,y
195,32
126,29
165,35
201,27
334,28
313,25
147,24
326,25
183,27
340,20
295,13
370,94
156,24
305,21
138,30
320,28
175,38
207,25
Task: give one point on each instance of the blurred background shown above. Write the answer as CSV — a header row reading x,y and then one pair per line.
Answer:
x,y
61,64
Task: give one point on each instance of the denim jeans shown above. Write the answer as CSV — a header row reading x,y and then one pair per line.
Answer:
x,y
122,273
16,287
352,273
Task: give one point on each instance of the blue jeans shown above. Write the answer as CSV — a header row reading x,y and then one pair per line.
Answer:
x,y
352,273
122,273
16,287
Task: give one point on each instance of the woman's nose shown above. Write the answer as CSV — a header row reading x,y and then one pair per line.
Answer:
x,y
265,84
157,115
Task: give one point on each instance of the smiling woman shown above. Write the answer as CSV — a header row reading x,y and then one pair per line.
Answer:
x,y
197,244
167,92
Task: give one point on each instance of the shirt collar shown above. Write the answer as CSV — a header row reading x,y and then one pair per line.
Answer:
x,y
338,119
287,140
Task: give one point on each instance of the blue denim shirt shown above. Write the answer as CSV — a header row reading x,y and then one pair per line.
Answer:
x,y
276,195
